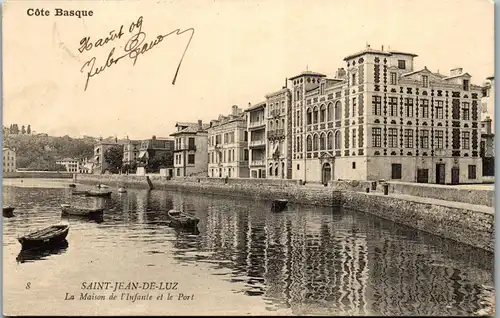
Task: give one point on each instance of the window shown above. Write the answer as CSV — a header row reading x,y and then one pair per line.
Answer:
x,y
354,138
396,170
393,137
425,81
330,112
377,137
178,172
393,106
322,142
439,139
309,116
245,154
315,142
424,139
353,106
408,138
409,107
309,144
322,114
465,84
377,105
354,165
337,139
337,110
402,64
439,109
298,167
472,171
394,78
191,145
465,140
353,79
322,89
465,111
425,108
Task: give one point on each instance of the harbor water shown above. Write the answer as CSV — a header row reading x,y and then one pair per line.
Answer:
x,y
244,260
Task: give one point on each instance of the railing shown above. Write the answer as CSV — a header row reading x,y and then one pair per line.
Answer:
x,y
257,162
257,143
276,133
185,147
254,124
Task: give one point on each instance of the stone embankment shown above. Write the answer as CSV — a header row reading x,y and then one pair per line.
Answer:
x,y
463,215
38,174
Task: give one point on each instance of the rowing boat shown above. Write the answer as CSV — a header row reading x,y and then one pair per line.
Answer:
x,y
79,211
79,192
279,205
51,235
93,193
182,219
8,211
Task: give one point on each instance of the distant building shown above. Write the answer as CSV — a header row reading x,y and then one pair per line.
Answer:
x,y
9,160
100,165
131,151
156,148
257,140
71,165
190,149
227,146
487,151
279,134
488,102
87,166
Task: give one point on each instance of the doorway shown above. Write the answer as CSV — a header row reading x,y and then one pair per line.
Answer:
x,y
396,171
423,175
440,173
327,173
455,175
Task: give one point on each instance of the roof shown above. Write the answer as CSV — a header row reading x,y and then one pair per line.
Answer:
x,y
310,73
191,128
256,106
373,51
67,159
459,75
286,90
416,72
490,78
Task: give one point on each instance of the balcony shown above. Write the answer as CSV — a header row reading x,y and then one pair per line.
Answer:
x,y
278,133
257,143
185,148
256,124
257,163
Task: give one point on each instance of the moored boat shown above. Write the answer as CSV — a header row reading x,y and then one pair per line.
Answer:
x,y
51,235
8,211
102,186
72,185
79,211
122,190
92,193
279,205
79,192
182,219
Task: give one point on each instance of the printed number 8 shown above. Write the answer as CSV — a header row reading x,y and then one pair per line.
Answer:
x,y
28,285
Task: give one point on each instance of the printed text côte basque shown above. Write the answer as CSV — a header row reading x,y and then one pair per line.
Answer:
x,y
58,12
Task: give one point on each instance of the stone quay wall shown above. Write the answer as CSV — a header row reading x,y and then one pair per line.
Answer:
x,y
459,224
38,174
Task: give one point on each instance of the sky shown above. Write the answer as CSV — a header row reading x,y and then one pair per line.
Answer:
x,y
240,51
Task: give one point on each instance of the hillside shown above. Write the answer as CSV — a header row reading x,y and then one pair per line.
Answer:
x,y
41,151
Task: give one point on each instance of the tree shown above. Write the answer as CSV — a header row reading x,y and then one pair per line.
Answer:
x,y
156,163
114,157
23,130
14,130
29,130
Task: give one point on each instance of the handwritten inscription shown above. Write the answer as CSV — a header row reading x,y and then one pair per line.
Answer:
x,y
138,44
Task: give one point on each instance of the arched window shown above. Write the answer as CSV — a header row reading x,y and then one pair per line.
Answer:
x,y
337,140
283,123
309,143
322,114
315,115
271,169
270,125
330,112
309,116
329,141
315,142
276,170
297,149
322,141
338,110
277,124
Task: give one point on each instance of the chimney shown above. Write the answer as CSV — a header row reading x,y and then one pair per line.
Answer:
x,y
487,125
234,110
153,138
200,125
340,73
382,48
286,82
456,71
249,104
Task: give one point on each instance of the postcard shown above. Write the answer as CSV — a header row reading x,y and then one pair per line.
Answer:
x,y
263,157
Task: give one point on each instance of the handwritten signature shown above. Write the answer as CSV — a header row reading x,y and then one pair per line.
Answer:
x,y
134,47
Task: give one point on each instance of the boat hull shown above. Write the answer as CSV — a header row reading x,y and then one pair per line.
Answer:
x,y
68,210
47,240
278,205
98,194
76,192
182,220
8,212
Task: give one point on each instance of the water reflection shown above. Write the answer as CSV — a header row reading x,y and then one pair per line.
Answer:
x,y
41,253
308,260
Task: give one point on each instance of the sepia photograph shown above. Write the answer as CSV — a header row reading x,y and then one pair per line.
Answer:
x,y
262,157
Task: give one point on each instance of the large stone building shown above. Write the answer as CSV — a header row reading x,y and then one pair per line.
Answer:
x,y
257,140
101,166
383,119
71,164
279,130
228,146
156,149
9,160
190,149
131,151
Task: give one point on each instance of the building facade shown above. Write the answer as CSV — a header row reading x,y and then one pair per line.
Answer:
x,y
487,148
190,149
71,164
488,101
257,140
382,119
9,160
131,152
156,149
279,131
100,164
228,146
